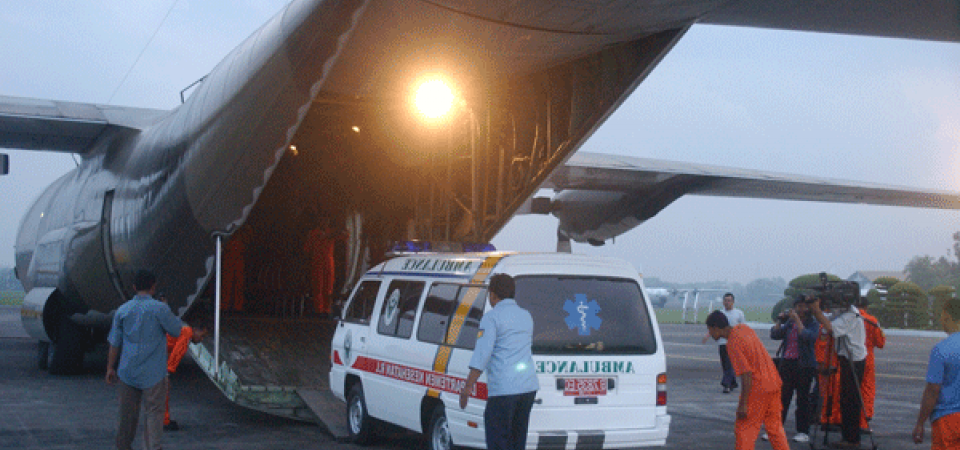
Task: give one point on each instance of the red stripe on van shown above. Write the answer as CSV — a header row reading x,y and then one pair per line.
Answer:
x,y
420,377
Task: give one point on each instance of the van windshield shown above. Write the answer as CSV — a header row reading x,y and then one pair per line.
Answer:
x,y
579,314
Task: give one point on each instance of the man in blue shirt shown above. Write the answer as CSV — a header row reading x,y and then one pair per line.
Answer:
x,y
941,397
503,350
138,338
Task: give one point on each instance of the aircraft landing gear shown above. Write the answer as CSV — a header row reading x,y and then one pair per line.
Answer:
x,y
66,354
43,355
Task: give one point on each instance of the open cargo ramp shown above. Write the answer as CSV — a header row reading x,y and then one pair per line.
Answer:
x,y
276,365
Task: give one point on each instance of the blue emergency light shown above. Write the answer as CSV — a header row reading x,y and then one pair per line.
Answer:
x,y
407,247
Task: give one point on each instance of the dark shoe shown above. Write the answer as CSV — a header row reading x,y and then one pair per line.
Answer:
x,y
172,426
830,427
866,431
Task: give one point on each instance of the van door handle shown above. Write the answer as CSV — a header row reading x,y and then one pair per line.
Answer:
x,y
538,401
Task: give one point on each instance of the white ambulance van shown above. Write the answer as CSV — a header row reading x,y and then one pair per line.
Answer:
x,y
406,335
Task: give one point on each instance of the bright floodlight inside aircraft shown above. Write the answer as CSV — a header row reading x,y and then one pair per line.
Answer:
x,y
434,99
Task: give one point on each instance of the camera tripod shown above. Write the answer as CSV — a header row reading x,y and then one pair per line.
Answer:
x,y
829,370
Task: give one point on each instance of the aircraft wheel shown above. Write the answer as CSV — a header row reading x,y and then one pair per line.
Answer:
x,y
43,355
360,425
438,432
66,355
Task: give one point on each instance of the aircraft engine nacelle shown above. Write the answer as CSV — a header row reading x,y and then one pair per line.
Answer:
x,y
593,217
34,315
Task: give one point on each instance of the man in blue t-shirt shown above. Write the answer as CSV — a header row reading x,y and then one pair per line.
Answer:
x,y
941,398
138,338
504,351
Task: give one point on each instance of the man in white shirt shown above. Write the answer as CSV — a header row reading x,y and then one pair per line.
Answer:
x,y
734,317
846,327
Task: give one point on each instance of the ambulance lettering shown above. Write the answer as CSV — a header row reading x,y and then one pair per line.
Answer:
x,y
548,367
437,265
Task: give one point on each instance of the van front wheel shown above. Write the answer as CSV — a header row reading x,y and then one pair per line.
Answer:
x,y
359,423
438,432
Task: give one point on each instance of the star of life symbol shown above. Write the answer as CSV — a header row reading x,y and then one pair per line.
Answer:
x,y
582,314
347,347
393,302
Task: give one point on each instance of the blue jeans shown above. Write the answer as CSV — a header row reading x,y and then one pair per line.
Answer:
x,y
506,418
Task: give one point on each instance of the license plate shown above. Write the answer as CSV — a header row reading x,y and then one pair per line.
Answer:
x,y
584,387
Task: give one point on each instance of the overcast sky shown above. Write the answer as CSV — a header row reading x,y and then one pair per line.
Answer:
x,y
856,108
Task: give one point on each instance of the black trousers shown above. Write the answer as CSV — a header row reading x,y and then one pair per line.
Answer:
x,y
850,406
729,379
797,379
506,419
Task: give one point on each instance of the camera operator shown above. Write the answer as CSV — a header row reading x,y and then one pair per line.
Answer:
x,y
846,327
798,363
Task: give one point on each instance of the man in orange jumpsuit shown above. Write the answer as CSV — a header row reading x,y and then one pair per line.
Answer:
x,y
868,386
828,379
232,297
176,348
875,339
760,395
319,248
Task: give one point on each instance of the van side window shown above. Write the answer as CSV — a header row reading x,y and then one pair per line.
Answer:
x,y
471,326
400,308
439,311
361,307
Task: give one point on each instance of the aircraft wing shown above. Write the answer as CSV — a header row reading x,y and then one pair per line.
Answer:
x,y
600,196
32,124
935,20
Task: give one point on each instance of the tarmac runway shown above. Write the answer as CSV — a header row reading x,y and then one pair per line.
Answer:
x,y
40,411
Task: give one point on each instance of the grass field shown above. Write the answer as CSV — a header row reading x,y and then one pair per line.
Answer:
x,y
753,314
11,298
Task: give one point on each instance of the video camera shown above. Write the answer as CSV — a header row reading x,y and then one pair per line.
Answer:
x,y
837,294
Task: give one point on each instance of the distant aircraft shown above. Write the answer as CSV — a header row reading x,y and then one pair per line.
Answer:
x,y
298,159
660,296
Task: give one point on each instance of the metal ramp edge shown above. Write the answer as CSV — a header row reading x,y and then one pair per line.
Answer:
x,y
329,409
281,401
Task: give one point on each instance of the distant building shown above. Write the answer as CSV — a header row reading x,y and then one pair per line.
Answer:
x,y
865,278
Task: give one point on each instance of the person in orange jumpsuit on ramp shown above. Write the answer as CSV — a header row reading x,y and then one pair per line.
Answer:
x,y
760,395
319,248
234,251
176,348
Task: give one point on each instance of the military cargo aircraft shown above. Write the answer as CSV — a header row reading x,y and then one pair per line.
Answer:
x,y
292,166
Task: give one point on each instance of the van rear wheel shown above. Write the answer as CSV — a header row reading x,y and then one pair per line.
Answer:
x,y
438,431
360,426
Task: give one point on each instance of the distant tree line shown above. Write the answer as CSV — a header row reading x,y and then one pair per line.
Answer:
x,y
912,303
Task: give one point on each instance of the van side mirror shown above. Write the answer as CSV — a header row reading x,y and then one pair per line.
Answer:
x,y
336,309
